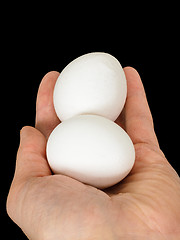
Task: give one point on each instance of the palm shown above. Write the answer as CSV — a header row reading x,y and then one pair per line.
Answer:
x,y
140,206
87,210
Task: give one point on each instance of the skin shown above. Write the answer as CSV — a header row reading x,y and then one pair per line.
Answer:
x,y
145,205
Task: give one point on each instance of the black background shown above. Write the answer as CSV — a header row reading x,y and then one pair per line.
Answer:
x,y
31,49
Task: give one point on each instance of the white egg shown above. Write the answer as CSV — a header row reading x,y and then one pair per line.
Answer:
x,y
91,149
94,83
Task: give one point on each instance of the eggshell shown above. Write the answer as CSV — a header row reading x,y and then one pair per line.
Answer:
x,y
91,149
94,83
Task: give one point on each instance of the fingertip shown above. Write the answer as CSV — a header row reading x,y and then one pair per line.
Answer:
x,y
24,129
132,73
49,80
134,81
27,131
31,139
51,73
132,69
31,156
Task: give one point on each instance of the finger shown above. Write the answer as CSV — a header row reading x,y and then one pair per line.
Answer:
x,y
138,118
31,157
46,118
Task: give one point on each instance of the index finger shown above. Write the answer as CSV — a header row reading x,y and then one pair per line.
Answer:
x,y
46,118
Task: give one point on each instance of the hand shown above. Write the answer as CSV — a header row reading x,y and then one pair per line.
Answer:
x,y
145,205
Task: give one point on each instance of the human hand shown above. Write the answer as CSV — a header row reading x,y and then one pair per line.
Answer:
x,y
145,205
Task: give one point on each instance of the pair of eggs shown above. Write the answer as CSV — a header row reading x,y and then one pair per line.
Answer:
x,y
87,145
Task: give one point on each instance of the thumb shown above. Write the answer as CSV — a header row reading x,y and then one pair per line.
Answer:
x,y
31,157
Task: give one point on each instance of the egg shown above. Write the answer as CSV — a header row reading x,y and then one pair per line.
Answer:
x,y
94,83
91,149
